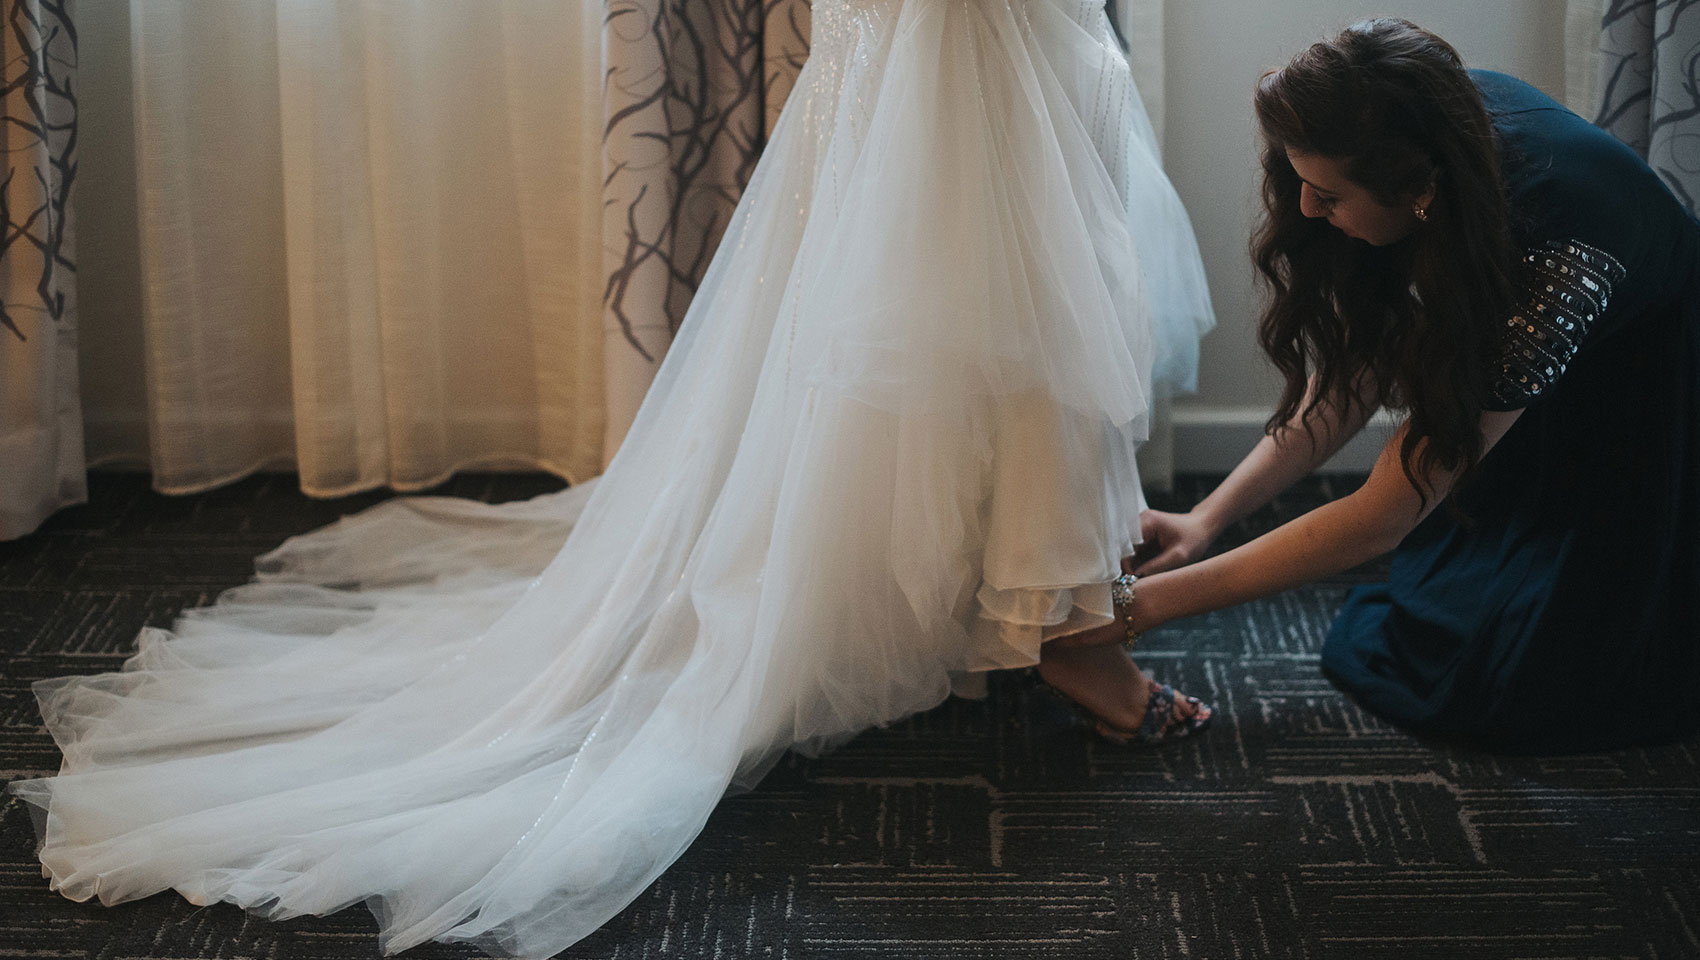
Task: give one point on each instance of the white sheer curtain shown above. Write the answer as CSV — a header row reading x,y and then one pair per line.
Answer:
x,y
369,237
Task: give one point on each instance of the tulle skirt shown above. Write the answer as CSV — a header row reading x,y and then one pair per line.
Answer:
x,y
892,445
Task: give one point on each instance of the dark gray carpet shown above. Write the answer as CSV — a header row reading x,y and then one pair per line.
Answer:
x,y
1298,827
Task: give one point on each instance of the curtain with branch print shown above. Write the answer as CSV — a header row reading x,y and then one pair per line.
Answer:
x,y
690,91
1650,87
41,441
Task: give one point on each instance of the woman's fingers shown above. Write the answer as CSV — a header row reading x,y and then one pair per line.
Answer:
x,y
1163,547
1167,560
1171,540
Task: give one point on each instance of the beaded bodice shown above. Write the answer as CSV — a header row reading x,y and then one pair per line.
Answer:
x,y
834,23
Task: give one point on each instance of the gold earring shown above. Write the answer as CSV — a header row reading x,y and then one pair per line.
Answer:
x,y
1421,212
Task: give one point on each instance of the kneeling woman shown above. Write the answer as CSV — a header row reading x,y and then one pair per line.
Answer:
x,y
1459,245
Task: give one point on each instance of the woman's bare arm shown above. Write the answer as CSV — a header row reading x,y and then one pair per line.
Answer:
x,y
1333,537
1276,463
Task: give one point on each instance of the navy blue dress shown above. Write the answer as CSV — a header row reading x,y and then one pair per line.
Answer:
x,y
1564,614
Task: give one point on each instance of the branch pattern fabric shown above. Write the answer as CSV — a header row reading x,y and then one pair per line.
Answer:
x,y
1650,87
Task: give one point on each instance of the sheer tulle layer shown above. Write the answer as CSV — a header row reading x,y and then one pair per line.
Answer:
x,y
892,444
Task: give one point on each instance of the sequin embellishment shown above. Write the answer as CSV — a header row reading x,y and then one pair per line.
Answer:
x,y
1567,287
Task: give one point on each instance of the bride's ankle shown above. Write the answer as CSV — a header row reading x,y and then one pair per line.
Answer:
x,y
1117,698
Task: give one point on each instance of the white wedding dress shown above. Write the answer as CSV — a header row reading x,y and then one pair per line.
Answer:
x,y
893,445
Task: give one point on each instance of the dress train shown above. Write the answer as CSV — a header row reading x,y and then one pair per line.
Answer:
x,y
893,444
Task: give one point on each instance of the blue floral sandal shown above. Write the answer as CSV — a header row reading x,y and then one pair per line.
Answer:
x,y
1162,720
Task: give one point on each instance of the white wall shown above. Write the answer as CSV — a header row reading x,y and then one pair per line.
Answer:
x,y
1214,51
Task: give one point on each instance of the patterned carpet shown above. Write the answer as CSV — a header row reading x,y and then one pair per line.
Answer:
x,y
1297,827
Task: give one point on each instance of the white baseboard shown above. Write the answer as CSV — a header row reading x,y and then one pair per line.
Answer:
x,y
1216,439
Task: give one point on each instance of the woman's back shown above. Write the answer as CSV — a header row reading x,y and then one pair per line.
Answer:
x,y
1555,611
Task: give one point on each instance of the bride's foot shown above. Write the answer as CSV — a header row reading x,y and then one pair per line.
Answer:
x,y
1168,716
1122,704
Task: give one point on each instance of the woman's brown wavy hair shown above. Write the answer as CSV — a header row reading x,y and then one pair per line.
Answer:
x,y
1419,317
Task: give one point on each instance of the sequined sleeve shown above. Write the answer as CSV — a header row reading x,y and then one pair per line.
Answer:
x,y
1567,286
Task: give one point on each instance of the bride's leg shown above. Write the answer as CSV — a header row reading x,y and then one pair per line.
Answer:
x,y
1103,679
1106,682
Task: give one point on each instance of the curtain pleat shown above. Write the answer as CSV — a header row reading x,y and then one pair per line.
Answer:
x,y
1582,55
41,438
214,289
1650,87
785,48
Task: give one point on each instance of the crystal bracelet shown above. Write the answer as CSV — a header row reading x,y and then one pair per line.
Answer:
x,y
1122,594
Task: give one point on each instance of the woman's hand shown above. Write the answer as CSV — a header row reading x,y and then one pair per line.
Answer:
x,y
1171,540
